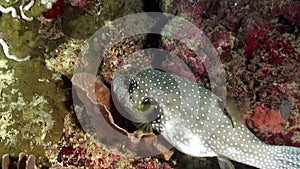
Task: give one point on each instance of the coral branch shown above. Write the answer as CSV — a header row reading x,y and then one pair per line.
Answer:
x,y
28,6
9,9
22,9
6,53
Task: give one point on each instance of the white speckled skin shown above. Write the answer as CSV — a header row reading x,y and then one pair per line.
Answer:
x,y
189,117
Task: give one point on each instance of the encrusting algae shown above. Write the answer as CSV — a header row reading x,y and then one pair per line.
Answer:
x,y
30,119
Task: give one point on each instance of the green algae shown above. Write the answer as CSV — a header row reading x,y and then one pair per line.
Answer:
x,y
62,59
78,24
6,3
296,137
82,27
21,36
32,110
36,10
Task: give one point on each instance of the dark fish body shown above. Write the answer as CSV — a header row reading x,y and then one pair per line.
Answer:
x,y
190,118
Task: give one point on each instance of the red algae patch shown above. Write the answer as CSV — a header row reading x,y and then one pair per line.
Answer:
x,y
268,120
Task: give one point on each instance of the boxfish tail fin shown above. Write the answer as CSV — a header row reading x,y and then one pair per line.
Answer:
x,y
225,163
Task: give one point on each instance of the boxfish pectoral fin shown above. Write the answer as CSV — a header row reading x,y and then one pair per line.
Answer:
x,y
225,163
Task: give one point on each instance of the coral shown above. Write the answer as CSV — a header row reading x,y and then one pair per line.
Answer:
x,y
262,40
261,60
22,8
267,120
115,56
95,7
287,10
27,116
32,8
7,75
18,33
17,36
230,13
62,59
191,11
80,3
82,23
223,41
290,138
50,28
55,11
187,55
77,149
183,50
5,49
148,163
47,3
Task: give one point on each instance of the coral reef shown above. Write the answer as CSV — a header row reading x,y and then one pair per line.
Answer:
x,y
78,149
257,41
263,40
287,11
62,60
93,7
260,52
19,29
55,11
267,120
263,56
192,11
16,35
29,116
114,57
223,41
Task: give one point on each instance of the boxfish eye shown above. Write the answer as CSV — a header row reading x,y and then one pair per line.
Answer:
x,y
146,101
146,104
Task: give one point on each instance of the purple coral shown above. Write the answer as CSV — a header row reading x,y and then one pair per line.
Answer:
x,y
193,12
289,11
223,41
80,3
262,40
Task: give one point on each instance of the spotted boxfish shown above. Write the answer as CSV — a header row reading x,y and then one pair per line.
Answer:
x,y
190,117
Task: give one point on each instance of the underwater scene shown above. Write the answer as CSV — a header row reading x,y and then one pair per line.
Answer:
x,y
149,84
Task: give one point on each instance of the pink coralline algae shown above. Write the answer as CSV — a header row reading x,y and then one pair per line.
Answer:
x,y
289,11
55,11
223,41
230,13
191,11
262,40
267,120
289,138
173,66
75,157
187,55
80,3
150,164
